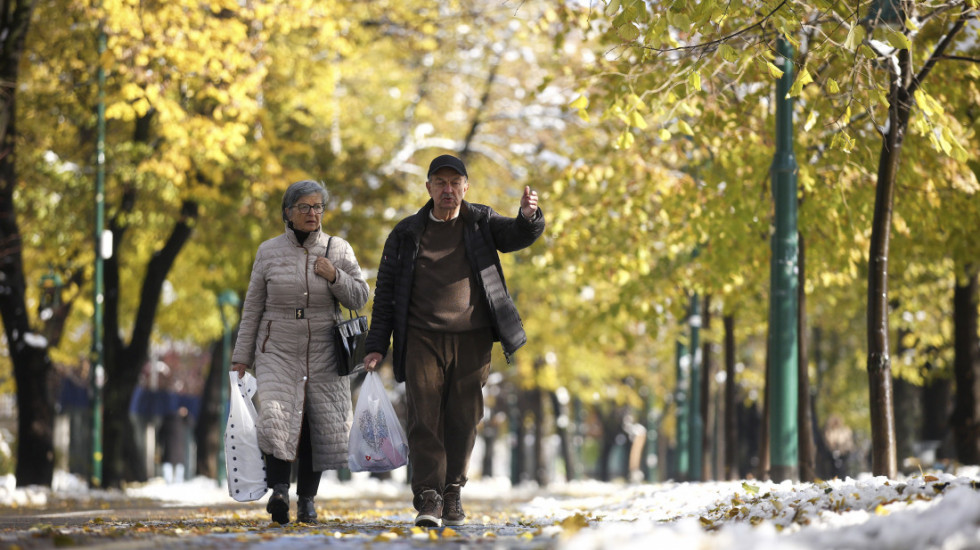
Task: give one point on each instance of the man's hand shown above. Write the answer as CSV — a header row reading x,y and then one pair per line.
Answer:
x,y
371,361
239,368
529,203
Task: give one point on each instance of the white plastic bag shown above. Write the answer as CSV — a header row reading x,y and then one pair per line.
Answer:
x,y
244,464
377,441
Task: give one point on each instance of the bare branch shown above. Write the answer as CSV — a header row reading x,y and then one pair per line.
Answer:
x,y
705,45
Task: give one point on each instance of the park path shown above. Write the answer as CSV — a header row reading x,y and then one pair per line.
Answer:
x,y
370,522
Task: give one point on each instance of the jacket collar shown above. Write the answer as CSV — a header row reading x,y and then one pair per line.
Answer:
x,y
310,241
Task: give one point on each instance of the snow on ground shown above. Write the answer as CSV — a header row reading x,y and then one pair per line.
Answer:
x,y
938,510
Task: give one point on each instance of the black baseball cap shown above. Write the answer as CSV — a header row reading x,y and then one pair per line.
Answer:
x,y
446,161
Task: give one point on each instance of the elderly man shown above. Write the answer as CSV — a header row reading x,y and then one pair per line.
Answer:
x,y
441,293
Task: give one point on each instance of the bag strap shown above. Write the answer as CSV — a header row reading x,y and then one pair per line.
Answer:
x,y
351,313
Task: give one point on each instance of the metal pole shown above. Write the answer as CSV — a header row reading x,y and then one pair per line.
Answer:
x,y
97,371
783,381
694,403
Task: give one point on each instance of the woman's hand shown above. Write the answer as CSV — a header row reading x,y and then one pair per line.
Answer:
x,y
325,268
239,368
371,361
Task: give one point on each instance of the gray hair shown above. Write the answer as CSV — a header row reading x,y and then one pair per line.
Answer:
x,y
301,189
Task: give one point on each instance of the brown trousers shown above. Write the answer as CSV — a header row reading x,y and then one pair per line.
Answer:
x,y
444,378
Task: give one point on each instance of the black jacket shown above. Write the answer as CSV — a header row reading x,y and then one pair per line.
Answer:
x,y
484,233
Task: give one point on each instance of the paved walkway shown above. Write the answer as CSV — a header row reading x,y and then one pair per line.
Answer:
x,y
347,523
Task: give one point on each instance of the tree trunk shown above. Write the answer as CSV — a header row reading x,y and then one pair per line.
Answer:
x,y
29,355
562,422
936,412
806,451
537,408
731,426
123,362
902,85
707,403
883,461
966,412
207,430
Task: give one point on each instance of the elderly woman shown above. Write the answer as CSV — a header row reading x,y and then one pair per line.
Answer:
x,y
286,334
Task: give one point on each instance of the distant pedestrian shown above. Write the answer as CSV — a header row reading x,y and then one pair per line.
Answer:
x,y
173,436
441,294
286,332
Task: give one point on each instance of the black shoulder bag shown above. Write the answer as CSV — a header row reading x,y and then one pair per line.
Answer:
x,y
350,336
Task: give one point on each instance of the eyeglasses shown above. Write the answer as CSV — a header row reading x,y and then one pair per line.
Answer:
x,y
305,208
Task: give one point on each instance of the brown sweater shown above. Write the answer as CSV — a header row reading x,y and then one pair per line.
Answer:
x,y
445,294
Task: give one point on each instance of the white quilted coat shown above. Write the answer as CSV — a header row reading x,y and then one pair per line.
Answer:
x,y
286,336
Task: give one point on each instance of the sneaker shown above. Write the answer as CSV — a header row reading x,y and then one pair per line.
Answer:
x,y
278,504
452,509
429,505
305,510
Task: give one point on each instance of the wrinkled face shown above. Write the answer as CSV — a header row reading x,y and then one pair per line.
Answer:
x,y
447,188
310,220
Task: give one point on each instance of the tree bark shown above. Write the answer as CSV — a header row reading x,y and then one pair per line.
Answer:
x,y
806,450
562,422
707,404
966,412
28,353
207,430
731,425
902,85
123,362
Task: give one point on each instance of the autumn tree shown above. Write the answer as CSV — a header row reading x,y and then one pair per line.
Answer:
x,y
862,83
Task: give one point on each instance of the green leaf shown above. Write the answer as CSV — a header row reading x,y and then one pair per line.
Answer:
x,y
628,32
855,37
898,39
728,53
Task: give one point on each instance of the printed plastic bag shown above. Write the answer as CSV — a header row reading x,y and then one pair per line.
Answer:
x,y
244,464
377,440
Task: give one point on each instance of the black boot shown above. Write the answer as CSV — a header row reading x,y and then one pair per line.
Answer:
x,y
305,510
278,504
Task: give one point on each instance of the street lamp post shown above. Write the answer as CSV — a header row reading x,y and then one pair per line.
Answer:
x,y
227,298
783,378
97,369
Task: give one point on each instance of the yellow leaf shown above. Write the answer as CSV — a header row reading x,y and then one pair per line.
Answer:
x,y
448,533
750,488
880,510
811,119
664,134
637,120
832,86
802,79
774,71
580,102
685,128
625,140
694,80
573,524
